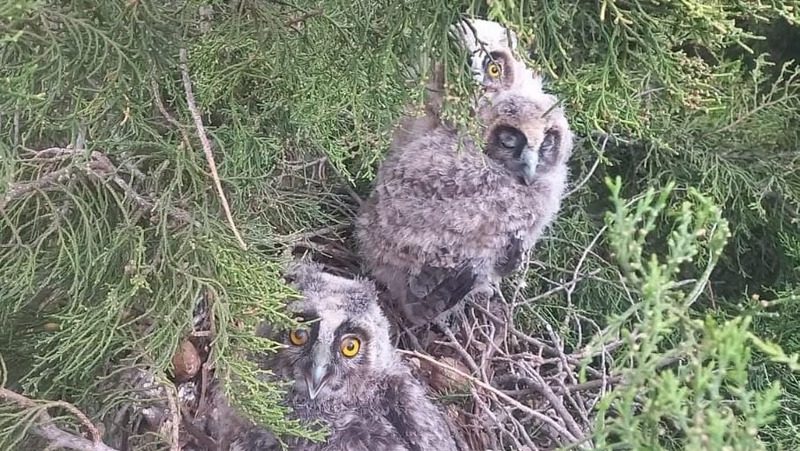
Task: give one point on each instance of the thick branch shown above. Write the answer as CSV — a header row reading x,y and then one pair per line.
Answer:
x,y
47,430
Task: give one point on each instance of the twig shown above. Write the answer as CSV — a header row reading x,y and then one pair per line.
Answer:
x,y
561,287
296,22
538,415
752,112
103,164
174,122
17,190
98,167
176,418
701,283
16,128
557,404
591,171
201,132
460,349
59,438
591,385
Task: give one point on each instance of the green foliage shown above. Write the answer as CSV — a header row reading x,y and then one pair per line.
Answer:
x,y
110,240
299,98
684,381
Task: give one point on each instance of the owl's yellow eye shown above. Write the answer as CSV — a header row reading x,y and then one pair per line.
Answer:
x,y
298,337
493,69
350,347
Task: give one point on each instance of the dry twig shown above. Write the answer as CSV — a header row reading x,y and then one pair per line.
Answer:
x,y
538,415
161,108
99,167
175,427
201,133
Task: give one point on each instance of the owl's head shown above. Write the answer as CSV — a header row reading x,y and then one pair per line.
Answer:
x,y
343,340
481,38
526,129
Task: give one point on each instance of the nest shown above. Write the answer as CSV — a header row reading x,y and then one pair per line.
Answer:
x,y
501,387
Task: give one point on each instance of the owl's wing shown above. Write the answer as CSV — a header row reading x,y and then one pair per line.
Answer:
x,y
435,290
512,258
415,418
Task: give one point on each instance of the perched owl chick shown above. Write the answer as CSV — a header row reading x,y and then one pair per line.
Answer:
x,y
446,218
347,374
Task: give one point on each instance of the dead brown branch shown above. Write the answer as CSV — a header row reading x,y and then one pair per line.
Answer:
x,y
536,414
174,410
201,133
46,428
98,167
163,110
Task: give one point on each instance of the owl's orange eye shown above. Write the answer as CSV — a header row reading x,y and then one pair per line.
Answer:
x,y
298,337
494,70
350,347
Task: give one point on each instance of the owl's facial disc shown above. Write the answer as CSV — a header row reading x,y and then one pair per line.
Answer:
x,y
332,354
521,156
510,146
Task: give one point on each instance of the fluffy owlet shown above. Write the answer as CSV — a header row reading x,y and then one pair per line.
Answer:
x,y
448,215
347,374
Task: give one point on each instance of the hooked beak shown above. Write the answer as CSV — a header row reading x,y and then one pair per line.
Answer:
x,y
530,159
316,379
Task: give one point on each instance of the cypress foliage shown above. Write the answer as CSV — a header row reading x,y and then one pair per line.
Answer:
x,y
112,233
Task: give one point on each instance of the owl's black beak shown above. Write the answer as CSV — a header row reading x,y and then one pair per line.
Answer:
x,y
530,159
316,378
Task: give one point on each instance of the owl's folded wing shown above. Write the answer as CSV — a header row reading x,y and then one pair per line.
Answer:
x,y
435,290
512,258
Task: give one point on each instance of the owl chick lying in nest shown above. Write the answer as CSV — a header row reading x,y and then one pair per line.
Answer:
x,y
347,373
449,217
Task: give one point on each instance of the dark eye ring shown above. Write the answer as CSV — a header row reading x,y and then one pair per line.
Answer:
x,y
511,138
549,142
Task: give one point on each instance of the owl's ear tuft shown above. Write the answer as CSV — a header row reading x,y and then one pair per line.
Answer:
x,y
302,273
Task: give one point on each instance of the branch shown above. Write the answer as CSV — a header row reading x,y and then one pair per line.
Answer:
x,y
17,190
98,167
167,116
296,23
513,402
59,438
201,133
176,419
